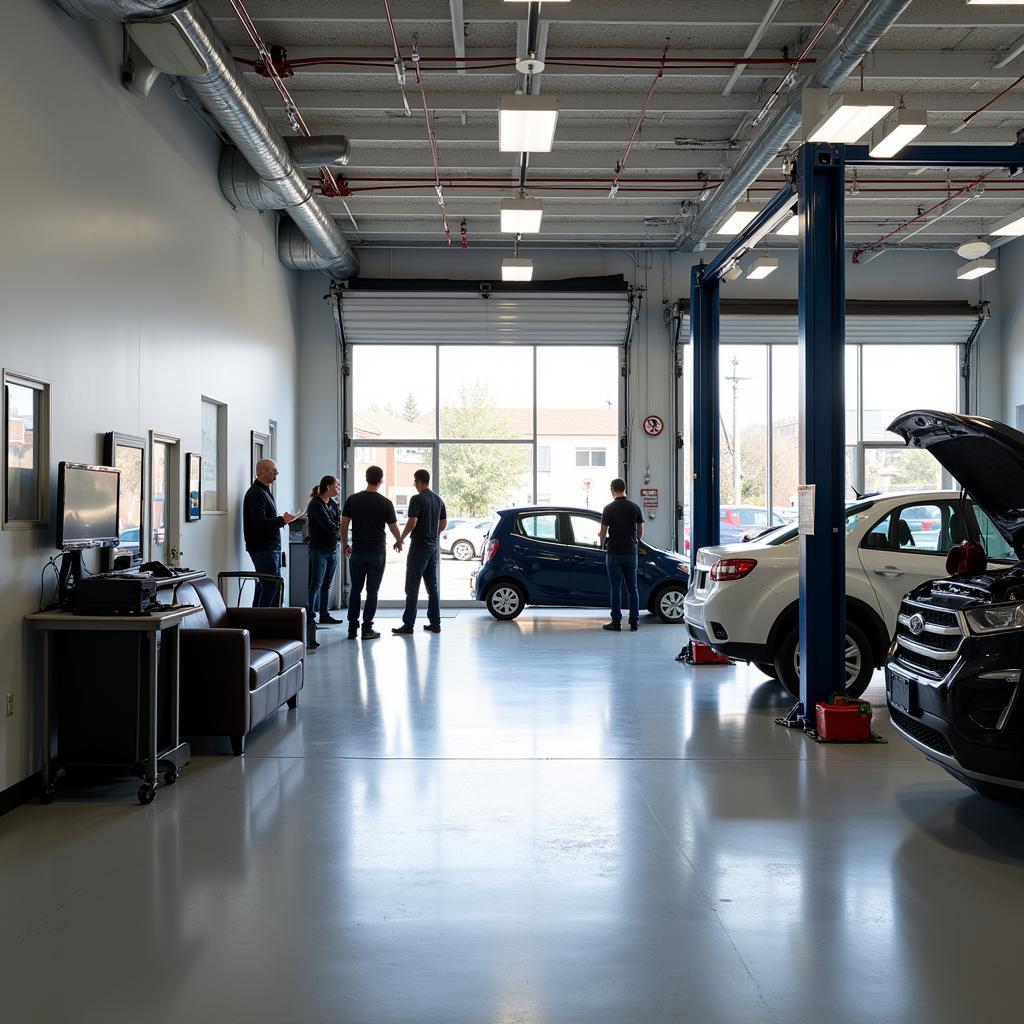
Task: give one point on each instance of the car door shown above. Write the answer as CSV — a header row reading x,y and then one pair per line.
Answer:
x,y
542,556
589,571
907,547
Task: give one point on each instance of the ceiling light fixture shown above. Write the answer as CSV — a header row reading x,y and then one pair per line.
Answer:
x,y
973,248
516,270
762,267
897,130
526,124
842,118
996,3
734,273
521,216
1010,227
739,217
976,268
789,227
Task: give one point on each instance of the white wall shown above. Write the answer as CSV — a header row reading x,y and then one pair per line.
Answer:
x,y
1011,302
129,283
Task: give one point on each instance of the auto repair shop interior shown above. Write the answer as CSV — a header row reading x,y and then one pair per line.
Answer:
x,y
761,259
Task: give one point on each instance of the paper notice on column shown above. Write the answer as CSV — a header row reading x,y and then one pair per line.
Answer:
x,y
805,508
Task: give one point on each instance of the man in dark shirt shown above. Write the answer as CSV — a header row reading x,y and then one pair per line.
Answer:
x,y
368,512
623,522
427,520
261,526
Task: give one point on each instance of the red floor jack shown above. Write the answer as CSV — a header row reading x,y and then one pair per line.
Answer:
x,y
697,653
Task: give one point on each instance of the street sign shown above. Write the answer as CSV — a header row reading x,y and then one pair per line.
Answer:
x,y
588,484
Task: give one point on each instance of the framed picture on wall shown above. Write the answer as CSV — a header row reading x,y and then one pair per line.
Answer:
x,y
127,453
193,487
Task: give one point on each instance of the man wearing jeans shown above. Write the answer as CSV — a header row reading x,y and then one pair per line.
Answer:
x,y
427,521
261,526
368,512
623,522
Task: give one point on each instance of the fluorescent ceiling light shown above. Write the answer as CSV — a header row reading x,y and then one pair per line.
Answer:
x,y
973,248
526,124
897,130
1010,227
843,118
976,268
762,267
996,3
521,216
734,273
789,227
739,217
516,270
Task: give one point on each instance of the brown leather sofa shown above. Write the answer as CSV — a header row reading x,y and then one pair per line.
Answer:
x,y
238,665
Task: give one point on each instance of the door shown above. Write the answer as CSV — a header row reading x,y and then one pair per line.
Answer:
x,y
907,547
543,558
589,568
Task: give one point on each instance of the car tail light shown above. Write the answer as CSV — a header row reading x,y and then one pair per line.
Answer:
x,y
732,568
492,549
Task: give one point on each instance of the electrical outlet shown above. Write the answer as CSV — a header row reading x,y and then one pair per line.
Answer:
x,y
8,705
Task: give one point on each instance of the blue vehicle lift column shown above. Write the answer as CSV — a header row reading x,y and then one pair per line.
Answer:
x,y
704,311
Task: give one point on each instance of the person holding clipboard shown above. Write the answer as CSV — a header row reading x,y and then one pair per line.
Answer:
x,y
261,526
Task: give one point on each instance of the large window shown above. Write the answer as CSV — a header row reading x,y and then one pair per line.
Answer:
x,y
26,429
214,451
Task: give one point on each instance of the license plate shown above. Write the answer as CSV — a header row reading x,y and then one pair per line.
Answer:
x,y
900,691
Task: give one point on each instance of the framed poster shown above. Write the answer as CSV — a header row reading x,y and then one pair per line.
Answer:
x,y
127,453
193,487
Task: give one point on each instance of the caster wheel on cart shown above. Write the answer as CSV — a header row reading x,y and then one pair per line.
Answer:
x,y
170,776
147,794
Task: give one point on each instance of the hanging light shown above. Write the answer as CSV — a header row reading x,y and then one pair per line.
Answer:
x,y
1010,227
842,118
762,267
897,130
976,268
516,270
521,216
739,217
526,124
734,273
789,227
973,248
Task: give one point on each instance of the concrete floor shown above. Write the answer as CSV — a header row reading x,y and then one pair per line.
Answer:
x,y
519,823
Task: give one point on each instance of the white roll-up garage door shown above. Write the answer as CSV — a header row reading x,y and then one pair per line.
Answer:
x,y
380,317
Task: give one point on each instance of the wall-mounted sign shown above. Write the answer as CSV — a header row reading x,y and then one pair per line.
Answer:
x,y
653,425
649,497
805,509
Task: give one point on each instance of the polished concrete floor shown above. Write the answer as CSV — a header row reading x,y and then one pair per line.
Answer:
x,y
517,823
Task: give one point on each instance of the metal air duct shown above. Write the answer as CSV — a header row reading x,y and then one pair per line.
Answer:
x,y
243,187
180,39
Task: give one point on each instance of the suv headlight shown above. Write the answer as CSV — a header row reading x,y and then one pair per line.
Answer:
x,y
996,618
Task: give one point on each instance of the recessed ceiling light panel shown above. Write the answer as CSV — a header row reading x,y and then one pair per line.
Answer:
x,y
1010,227
516,270
521,216
762,267
526,124
843,118
976,268
739,217
789,227
898,129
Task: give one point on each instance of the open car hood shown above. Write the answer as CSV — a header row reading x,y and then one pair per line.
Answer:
x,y
985,457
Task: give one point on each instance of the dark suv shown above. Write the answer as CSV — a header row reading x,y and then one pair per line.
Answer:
x,y
953,674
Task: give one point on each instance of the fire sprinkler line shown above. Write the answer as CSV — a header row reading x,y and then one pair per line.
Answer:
x,y
620,166
432,143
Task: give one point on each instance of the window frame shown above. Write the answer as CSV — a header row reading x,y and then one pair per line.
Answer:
x,y
222,457
40,447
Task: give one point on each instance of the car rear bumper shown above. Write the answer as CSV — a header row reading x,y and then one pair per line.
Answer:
x,y
741,652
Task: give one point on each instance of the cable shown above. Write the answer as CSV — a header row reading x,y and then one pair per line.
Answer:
x,y
51,564
620,166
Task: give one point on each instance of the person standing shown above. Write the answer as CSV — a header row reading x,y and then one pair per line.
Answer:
x,y
623,522
368,512
324,519
261,526
427,520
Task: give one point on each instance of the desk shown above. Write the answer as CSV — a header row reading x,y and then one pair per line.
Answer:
x,y
150,629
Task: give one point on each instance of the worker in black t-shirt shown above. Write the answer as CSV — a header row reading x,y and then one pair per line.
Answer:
x,y
623,522
427,521
367,512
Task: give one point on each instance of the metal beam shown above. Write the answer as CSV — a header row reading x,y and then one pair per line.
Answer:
x,y
461,161
704,438
941,156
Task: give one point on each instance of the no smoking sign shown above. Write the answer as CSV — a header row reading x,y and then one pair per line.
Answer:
x,y
653,425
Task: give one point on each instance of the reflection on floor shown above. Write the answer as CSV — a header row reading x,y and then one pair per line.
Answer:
x,y
519,822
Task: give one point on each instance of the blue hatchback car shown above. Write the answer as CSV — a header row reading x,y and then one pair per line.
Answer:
x,y
550,556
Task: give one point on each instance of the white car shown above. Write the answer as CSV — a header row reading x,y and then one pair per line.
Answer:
x,y
743,599
466,540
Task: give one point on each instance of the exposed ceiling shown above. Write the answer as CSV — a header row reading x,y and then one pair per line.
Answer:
x,y
942,56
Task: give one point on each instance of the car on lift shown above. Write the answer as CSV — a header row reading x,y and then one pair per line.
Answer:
x,y
464,539
743,599
953,676
550,556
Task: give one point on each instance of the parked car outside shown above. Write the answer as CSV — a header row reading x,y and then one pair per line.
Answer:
x,y
464,539
549,556
744,599
953,676
738,523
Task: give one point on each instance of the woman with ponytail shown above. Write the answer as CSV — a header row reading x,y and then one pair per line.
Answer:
x,y
324,518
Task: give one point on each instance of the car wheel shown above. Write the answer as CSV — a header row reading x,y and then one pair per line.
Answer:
x,y
505,600
767,668
860,662
462,550
668,605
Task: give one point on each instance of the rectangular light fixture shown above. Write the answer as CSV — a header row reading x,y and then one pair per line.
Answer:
x,y
521,216
1010,227
516,270
739,217
762,267
526,124
842,118
976,268
789,227
996,3
898,129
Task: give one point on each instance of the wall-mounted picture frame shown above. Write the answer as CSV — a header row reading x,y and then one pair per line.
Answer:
x,y
128,453
193,487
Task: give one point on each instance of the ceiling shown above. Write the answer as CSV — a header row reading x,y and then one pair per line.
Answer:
x,y
942,56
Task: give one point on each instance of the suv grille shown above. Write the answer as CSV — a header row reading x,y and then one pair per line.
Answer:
x,y
933,650
929,737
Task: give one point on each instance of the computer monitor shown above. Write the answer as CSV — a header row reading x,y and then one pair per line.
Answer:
x,y
87,506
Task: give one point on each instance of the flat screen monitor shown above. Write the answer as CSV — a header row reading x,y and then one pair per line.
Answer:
x,y
87,512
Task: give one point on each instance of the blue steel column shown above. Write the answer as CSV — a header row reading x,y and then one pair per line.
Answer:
x,y
704,309
820,177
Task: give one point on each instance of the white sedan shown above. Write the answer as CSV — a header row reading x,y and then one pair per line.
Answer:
x,y
744,602
465,540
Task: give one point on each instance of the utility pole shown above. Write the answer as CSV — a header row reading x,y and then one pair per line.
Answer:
x,y
736,378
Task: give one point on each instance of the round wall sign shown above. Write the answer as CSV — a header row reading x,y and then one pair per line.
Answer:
x,y
588,484
653,425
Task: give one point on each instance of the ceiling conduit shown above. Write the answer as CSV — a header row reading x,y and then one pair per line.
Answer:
x,y
869,24
216,79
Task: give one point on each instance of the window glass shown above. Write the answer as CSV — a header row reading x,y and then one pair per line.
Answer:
x,y
923,528
878,535
902,377
486,391
214,444
541,527
785,429
743,430
585,531
543,458
896,470
23,478
477,480
393,389
131,461
991,539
